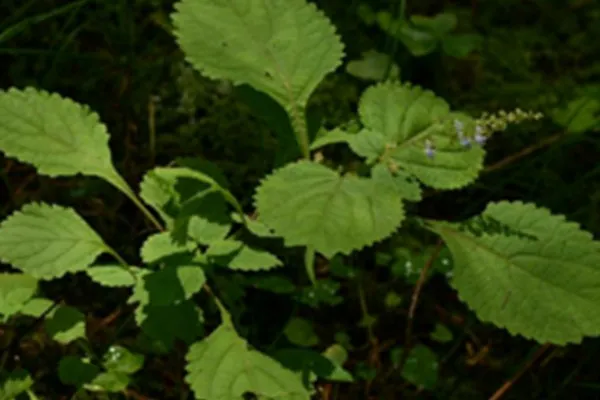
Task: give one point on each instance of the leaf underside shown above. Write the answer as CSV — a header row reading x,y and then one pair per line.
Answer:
x,y
547,288
55,134
47,241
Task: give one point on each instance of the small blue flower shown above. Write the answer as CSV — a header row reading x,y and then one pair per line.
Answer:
x,y
479,137
460,131
429,150
465,141
459,127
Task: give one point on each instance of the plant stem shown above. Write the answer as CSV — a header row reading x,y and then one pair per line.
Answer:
x,y
298,118
117,181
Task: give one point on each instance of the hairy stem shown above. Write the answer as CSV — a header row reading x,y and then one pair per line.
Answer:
x,y
298,119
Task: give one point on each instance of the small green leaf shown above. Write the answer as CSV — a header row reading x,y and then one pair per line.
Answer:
x,y
238,256
161,245
392,300
56,135
421,368
191,202
66,324
418,41
224,367
165,312
579,115
166,324
325,291
119,359
76,371
15,291
169,285
373,66
47,241
113,275
440,24
270,46
461,45
110,381
299,331
17,382
309,204
36,307
407,117
538,276
441,334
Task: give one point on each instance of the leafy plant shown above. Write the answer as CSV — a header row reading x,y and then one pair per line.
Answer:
x,y
516,264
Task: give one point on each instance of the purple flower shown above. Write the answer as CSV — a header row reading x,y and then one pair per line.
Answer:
x,y
459,127
429,150
460,131
479,137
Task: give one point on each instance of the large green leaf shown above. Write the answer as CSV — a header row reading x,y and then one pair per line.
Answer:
x,y
309,204
47,241
282,48
224,367
537,276
15,292
57,135
407,117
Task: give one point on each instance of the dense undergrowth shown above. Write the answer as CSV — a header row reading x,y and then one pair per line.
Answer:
x,y
120,58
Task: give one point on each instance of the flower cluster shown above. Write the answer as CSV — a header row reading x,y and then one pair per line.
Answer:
x,y
485,125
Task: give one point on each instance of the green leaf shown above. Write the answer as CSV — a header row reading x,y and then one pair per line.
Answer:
x,y
239,256
191,202
270,45
440,24
373,66
36,307
55,134
47,241
224,367
405,185
417,40
161,245
538,276
407,117
15,291
66,324
325,291
110,381
76,371
113,275
169,285
299,331
166,324
308,204
461,45
165,312
441,334
421,368
17,382
119,359
311,365
579,115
